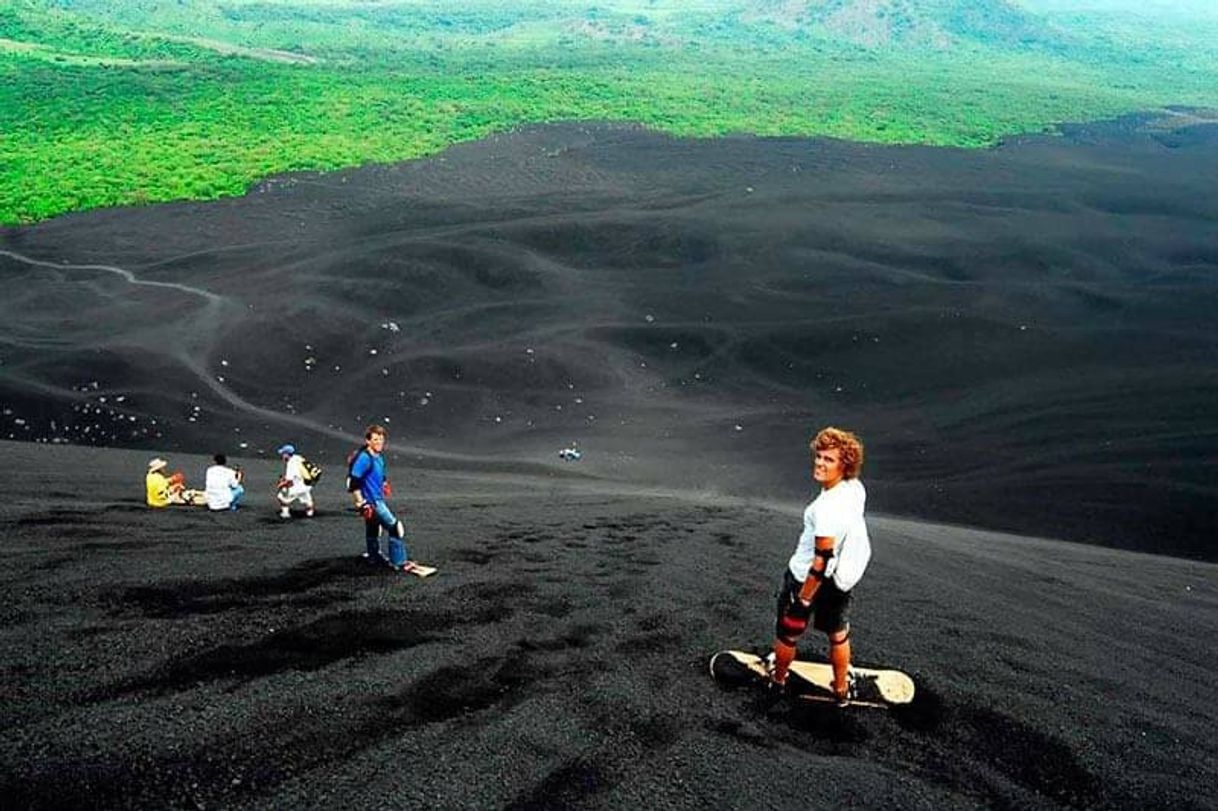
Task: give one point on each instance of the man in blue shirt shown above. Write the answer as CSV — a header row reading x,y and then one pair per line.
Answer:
x,y
370,489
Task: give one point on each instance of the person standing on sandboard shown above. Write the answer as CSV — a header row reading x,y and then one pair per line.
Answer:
x,y
370,488
829,560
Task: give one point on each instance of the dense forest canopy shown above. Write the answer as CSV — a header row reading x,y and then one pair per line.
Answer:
x,y
106,102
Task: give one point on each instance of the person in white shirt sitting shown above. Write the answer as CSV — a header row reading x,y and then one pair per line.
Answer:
x,y
222,487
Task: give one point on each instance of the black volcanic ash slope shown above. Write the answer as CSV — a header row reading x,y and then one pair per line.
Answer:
x,y
178,658
1023,335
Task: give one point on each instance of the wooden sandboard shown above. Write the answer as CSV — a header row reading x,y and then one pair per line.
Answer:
x,y
813,681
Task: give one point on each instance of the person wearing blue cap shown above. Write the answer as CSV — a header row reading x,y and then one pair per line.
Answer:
x,y
293,486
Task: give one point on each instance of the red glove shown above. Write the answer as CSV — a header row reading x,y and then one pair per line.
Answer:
x,y
795,619
367,511
387,489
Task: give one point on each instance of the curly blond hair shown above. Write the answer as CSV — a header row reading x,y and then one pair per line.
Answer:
x,y
850,446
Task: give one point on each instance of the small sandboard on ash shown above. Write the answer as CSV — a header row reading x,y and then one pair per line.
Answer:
x,y
813,681
419,570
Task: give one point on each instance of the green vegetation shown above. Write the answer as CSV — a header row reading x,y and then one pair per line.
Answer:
x,y
105,102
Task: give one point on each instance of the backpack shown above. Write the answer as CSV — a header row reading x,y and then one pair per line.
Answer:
x,y
311,471
353,482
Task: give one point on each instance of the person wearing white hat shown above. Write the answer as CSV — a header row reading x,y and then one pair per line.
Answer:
x,y
292,486
166,491
156,484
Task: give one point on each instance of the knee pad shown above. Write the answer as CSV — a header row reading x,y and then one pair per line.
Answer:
x,y
787,638
790,627
399,531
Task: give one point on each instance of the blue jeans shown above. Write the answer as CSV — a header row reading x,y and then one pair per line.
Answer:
x,y
238,492
384,517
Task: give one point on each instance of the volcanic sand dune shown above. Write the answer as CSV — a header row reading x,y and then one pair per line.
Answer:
x,y
1023,336
559,659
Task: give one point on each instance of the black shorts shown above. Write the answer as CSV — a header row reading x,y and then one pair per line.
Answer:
x,y
830,605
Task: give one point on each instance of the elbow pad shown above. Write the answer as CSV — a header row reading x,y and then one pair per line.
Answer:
x,y
825,550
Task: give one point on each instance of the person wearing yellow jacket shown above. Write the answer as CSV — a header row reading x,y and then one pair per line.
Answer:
x,y
165,491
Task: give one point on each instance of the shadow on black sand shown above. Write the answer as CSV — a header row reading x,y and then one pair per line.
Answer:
x,y
558,659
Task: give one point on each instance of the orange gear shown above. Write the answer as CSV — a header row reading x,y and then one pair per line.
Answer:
x,y
839,657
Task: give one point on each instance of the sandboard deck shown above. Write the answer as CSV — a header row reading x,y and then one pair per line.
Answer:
x,y
188,498
419,570
812,681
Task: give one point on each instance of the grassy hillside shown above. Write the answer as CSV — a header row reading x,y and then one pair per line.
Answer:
x,y
105,102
